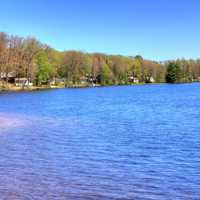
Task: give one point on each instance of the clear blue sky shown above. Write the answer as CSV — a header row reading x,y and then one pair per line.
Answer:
x,y
156,29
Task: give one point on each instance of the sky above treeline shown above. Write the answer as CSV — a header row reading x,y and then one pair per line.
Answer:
x,y
156,29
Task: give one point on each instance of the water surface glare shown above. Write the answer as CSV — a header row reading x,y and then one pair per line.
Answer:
x,y
112,143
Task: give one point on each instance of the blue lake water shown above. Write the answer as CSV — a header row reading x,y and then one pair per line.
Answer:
x,y
112,143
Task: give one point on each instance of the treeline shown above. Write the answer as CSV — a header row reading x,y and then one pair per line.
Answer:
x,y
40,64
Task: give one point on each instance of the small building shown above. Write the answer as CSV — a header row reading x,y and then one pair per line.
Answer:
x,y
133,79
151,80
83,80
91,80
10,76
58,81
23,82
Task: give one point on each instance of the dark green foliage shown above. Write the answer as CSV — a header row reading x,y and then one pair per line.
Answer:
x,y
173,74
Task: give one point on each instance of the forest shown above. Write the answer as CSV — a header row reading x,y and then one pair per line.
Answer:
x,y
42,65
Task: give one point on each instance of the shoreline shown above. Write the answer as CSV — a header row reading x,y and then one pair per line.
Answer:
x,y
40,88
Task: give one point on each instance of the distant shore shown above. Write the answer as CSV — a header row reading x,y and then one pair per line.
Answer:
x,y
31,88
12,88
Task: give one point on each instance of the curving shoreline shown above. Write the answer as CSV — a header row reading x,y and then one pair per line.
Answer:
x,y
40,88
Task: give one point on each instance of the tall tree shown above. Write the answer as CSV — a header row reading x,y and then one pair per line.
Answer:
x,y
45,70
3,52
173,74
31,47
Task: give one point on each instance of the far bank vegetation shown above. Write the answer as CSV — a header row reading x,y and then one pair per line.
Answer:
x,y
26,62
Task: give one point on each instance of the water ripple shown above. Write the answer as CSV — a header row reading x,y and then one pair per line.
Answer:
x,y
125,143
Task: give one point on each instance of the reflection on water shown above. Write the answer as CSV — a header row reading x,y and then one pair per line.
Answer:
x,y
102,143
11,121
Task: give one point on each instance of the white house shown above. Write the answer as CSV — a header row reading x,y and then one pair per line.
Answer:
x,y
151,80
134,79
21,82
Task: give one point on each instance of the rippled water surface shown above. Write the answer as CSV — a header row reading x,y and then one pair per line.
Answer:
x,y
123,143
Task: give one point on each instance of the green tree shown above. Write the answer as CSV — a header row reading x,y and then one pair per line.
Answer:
x,y
105,75
173,74
45,69
135,68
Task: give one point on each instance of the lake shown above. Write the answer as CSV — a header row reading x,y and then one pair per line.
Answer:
x,y
112,143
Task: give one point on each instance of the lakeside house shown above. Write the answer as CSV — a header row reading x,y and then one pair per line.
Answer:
x,y
83,80
58,81
134,79
91,80
150,79
21,82
10,77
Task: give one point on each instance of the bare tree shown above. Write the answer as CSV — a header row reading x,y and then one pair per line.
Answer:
x,y
31,47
